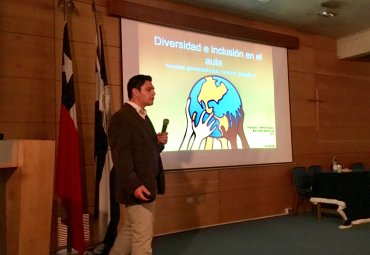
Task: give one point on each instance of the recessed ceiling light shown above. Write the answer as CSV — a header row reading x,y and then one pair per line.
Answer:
x,y
328,7
264,1
326,14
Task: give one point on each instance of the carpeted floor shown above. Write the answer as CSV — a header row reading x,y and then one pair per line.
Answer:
x,y
289,235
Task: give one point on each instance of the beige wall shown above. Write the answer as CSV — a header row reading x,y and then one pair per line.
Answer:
x,y
338,123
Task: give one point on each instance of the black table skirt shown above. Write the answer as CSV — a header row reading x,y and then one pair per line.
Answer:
x,y
353,188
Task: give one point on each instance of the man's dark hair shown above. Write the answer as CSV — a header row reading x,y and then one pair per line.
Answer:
x,y
136,82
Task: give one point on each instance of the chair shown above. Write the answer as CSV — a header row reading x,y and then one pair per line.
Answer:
x,y
358,166
312,170
302,185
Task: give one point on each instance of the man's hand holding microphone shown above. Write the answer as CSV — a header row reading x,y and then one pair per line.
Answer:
x,y
162,137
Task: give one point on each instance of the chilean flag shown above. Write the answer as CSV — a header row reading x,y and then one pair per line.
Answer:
x,y
68,168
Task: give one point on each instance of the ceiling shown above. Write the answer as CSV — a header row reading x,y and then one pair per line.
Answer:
x,y
351,16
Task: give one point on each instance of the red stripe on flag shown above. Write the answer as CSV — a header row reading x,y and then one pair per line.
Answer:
x,y
68,179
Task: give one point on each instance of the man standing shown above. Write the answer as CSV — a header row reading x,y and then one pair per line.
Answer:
x,y
139,173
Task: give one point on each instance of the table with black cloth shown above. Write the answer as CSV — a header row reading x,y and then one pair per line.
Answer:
x,y
350,191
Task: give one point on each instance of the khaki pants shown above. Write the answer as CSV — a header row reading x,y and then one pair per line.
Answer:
x,y
136,234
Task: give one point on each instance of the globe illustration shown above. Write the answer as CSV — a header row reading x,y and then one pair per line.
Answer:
x,y
217,95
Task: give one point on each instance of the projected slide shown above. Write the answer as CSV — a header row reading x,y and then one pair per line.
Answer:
x,y
219,94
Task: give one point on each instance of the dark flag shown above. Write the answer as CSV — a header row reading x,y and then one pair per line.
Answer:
x,y
68,168
102,151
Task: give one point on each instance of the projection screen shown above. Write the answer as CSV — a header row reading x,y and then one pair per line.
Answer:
x,y
227,101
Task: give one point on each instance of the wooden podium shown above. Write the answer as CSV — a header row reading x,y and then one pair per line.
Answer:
x,y
26,194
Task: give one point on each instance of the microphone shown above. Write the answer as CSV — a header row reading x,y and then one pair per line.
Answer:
x,y
165,124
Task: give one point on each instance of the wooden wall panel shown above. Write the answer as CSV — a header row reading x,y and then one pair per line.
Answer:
x,y
114,65
85,99
252,192
344,114
314,158
27,130
302,99
33,17
254,177
302,60
183,183
348,106
191,200
112,30
348,133
116,98
302,85
250,203
304,140
326,62
34,56
180,213
37,100
317,42
87,142
344,140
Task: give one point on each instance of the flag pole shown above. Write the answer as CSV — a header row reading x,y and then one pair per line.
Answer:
x,y
102,154
96,198
96,14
